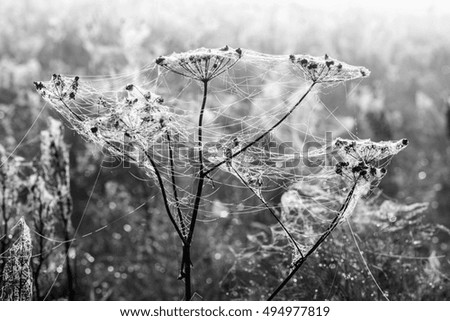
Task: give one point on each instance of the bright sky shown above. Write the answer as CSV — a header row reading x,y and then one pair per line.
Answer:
x,y
410,6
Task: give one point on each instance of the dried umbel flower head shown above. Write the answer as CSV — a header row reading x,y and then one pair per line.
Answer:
x,y
141,120
17,273
58,88
326,69
360,158
201,64
126,122
136,117
58,92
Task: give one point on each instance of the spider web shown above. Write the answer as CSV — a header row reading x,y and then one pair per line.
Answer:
x,y
261,136
123,111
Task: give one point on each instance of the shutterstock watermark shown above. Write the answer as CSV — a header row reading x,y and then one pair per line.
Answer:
x,y
268,152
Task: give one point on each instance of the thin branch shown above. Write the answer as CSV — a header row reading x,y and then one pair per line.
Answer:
x,y
323,237
185,261
243,149
186,248
166,202
174,184
71,111
200,157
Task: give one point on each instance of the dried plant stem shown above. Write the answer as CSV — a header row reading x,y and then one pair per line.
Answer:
x,y
282,119
185,263
163,192
201,175
201,179
298,263
174,184
71,111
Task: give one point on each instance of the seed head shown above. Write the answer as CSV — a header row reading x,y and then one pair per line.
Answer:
x,y
361,158
327,69
201,64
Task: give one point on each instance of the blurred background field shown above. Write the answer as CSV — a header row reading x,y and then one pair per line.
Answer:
x,y
407,95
